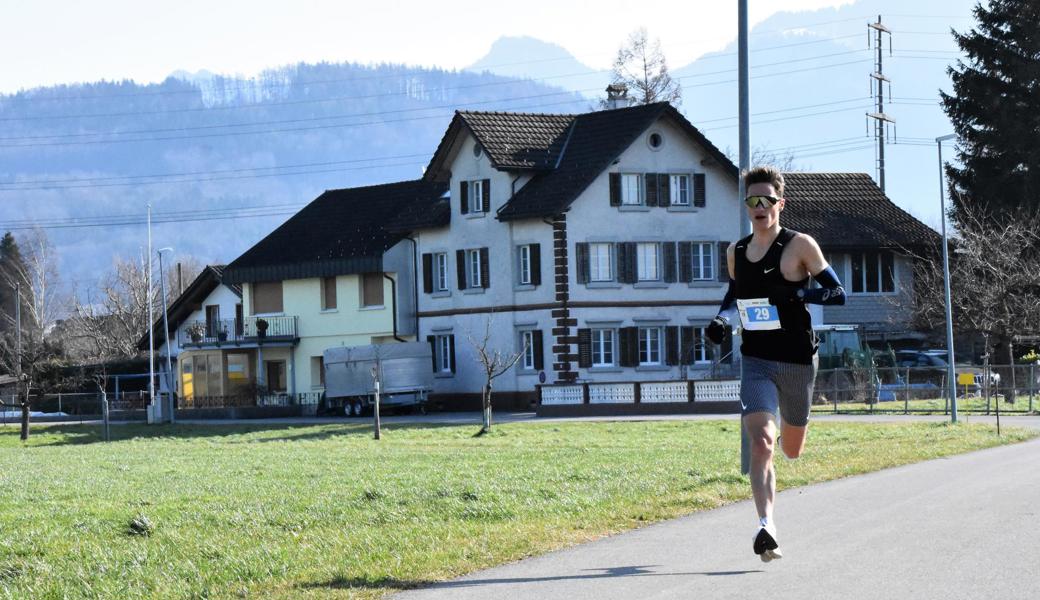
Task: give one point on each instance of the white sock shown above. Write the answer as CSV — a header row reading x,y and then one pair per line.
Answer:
x,y
763,522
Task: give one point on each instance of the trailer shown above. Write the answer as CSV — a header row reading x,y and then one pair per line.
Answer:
x,y
405,373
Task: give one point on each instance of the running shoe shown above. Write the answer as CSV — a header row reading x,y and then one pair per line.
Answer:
x,y
765,545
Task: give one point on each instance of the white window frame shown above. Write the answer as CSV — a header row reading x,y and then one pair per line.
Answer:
x,y
849,284
525,264
650,347
631,189
603,347
440,270
700,346
703,263
527,345
598,253
476,197
473,268
679,189
644,263
443,345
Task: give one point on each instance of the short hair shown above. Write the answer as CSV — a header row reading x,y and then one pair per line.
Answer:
x,y
770,175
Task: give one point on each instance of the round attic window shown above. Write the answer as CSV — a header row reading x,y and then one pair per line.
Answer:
x,y
655,141
477,151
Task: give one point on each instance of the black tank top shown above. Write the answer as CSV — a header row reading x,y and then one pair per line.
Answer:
x,y
795,341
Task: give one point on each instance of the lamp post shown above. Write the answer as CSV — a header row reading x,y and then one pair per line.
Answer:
x,y
951,371
166,329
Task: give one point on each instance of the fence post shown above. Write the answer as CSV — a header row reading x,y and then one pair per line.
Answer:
x,y
906,389
835,374
1032,384
104,415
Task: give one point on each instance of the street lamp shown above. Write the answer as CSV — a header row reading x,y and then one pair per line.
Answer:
x,y
951,371
166,329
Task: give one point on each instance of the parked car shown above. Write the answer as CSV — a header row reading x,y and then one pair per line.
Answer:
x,y
967,367
930,366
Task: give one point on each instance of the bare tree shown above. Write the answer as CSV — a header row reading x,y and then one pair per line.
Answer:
x,y
784,161
995,293
37,277
641,67
113,321
495,363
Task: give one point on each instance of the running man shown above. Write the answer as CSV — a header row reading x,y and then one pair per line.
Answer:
x,y
771,268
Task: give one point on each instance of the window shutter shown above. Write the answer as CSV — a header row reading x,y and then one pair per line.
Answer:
x,y
584,348
685,262
664,189
650,180
723,265
686,344
485,269
539,350
633,256
622,262
668,258
460,268
427,273
432,339
615,189
699,190
487,195
451,345
581,258
464,196
628,340
536,265
671,345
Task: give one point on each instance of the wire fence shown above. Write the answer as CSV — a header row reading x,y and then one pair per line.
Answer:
x,y
924,390
133,406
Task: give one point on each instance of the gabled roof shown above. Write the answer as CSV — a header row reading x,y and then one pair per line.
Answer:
x,y
595,141
422,216
566,152
513,141
848,210
189,301
339,233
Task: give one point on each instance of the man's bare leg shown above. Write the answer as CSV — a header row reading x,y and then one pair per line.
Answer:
x,y
762,432
792,439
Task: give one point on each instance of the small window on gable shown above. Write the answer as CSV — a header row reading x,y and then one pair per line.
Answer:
x,y
655,141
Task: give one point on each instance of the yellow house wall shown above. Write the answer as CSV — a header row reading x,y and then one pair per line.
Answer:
x,y
347,325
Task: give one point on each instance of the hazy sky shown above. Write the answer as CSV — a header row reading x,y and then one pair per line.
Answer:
x,y
45,42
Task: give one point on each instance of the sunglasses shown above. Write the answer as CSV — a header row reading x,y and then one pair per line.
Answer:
x,y
763,201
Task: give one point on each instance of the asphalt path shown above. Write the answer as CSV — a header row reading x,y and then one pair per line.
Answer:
x,y
958,527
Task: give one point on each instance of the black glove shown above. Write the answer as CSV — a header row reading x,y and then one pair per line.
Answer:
x,y
718,329
782,295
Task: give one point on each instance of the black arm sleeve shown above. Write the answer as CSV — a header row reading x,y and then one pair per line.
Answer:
x,y
829,293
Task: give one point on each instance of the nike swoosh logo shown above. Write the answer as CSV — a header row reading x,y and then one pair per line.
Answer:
x,y
768,270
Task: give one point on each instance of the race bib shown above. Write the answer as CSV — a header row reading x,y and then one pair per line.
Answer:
x,y
757,314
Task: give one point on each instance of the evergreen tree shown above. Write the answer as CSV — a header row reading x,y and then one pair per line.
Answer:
x,y
995,110
12,266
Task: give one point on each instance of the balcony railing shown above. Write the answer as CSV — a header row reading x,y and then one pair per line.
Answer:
x,y
234,332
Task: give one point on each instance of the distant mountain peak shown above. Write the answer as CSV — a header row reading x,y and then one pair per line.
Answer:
x,y
551,64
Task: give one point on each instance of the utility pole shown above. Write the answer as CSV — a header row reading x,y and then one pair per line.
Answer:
x,y
881,120
156,411
744,113
169,345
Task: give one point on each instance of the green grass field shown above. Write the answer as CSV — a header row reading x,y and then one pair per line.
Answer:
x,y
326,512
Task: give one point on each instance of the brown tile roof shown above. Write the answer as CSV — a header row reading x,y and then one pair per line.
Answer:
x,y
338,233
594,142
848,210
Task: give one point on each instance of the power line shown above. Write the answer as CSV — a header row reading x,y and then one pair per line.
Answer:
x,y
381,113
369,96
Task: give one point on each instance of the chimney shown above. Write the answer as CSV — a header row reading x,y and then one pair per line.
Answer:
x,y
617,96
